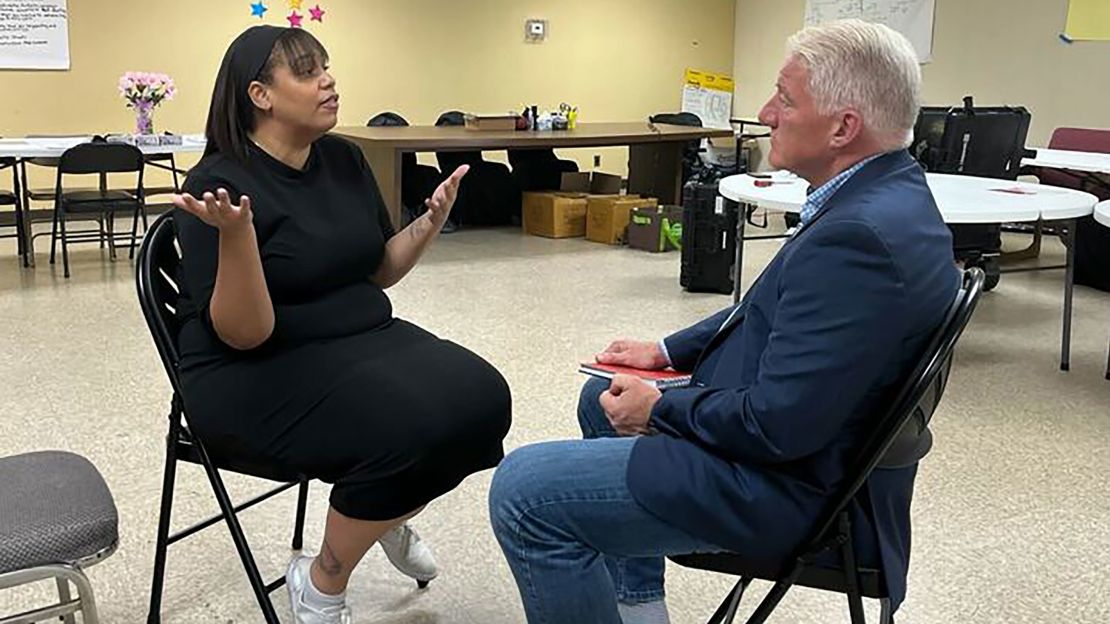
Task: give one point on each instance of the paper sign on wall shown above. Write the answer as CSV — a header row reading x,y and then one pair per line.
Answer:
x,y
1088,20
912,18
709,96
34,34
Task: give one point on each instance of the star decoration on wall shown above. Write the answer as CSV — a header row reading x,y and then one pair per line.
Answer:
x,y
295,19
295,4
317,13
258,9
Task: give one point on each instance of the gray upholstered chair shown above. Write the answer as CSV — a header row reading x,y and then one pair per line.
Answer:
x,y
57,517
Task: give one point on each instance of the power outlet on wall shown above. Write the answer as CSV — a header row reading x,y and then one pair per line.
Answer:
x,y
597,160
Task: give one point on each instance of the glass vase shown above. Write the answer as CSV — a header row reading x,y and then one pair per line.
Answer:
x,y
144,119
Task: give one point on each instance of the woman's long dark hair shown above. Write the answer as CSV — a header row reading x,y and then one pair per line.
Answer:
x,y
231,113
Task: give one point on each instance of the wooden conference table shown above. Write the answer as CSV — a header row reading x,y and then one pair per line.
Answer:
x,y
654,162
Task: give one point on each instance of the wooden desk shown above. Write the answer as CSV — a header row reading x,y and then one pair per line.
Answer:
x,y
654,161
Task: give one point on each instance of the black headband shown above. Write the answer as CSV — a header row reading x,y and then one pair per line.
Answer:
x,y
249,53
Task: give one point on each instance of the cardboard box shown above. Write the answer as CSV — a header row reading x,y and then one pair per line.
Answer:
x,y
595,183
607,217
490,122
656,229
554,215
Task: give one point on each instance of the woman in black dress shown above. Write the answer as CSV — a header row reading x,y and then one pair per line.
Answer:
x,y
290,352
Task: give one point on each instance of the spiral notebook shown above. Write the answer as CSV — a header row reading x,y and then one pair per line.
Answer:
x,y
661,379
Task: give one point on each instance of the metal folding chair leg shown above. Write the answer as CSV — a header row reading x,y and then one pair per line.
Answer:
x,y
62,573
1108,361
886,614
63,597
135,229
240,540
298,526
726,613
65,249
851,572
161,543
770,601
53,234
110,219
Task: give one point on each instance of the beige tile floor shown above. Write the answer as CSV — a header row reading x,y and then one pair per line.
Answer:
x,y
1011,518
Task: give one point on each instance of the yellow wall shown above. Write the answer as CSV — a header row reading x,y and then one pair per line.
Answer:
x,y
617,60
999,51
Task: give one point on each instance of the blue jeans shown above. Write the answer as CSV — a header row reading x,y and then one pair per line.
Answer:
x,y
575,538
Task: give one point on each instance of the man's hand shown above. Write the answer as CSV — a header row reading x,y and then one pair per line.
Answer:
x,y
627,404
634,353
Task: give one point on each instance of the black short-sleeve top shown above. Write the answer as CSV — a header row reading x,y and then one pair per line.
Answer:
x,y
321,234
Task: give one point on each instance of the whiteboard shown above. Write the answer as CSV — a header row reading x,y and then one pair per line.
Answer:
x,y
34,34
712,106
912,18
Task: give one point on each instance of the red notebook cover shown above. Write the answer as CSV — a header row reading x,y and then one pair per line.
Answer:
x,y
666,378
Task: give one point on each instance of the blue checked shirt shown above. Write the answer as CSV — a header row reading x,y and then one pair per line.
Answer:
x,y
820,196
815,200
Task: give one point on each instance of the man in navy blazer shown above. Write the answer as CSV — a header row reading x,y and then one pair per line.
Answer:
x,y
785,384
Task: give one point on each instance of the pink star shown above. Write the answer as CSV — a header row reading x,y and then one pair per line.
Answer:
x,y
317,13
295,19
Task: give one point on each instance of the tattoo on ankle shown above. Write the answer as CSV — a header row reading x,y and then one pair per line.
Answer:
x,y
329,563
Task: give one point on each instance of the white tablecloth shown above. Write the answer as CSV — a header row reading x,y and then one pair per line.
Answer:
x,y
53,147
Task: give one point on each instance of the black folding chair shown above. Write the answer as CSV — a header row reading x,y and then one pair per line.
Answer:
x,y
166,162
539,169
156,278
691,153
15,220
418,182
902,432
46,195
489,194
100,158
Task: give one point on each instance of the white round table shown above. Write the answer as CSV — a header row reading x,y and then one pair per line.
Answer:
x,y
1089,162
1102,215
961,199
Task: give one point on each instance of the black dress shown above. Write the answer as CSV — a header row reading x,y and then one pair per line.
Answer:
x,y
341,391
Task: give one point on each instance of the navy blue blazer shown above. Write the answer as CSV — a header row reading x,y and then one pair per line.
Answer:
x,y
748,455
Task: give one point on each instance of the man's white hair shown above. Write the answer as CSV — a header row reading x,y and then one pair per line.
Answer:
x,y
868,67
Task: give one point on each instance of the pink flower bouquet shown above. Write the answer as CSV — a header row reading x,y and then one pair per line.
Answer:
x,y
144,91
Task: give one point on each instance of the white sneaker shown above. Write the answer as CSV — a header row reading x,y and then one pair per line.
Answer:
x,y
408,554
297,579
